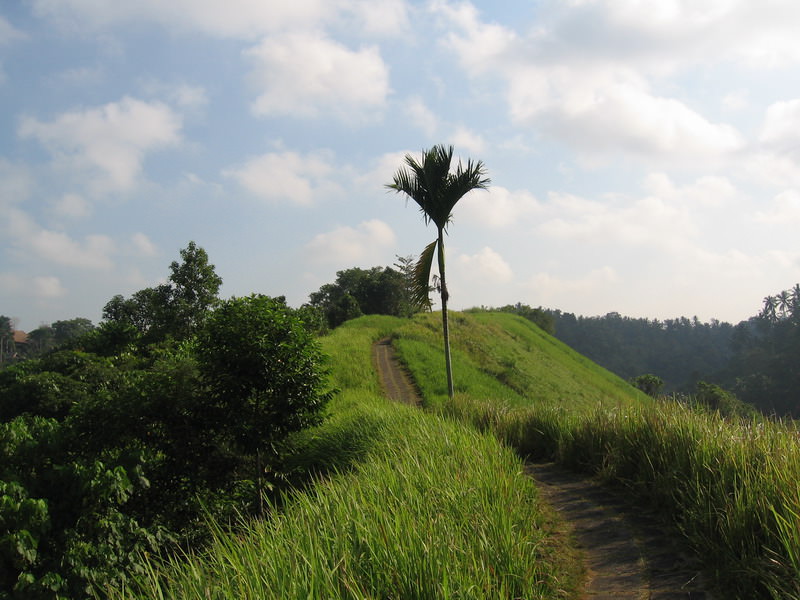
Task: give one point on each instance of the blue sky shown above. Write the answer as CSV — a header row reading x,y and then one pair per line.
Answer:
x,y
644,155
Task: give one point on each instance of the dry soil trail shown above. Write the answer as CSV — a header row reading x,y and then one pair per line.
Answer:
x,y
627,555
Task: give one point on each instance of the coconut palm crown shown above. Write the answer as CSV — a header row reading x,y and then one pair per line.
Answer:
x,y
436,189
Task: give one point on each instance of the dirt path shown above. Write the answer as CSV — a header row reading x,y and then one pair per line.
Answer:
x,y
628,556
397,383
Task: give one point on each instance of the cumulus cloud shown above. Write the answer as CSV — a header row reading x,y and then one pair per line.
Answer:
x,y
775,159
486,267
464,138
597,109
9,33
594,100
233,19
306,74
352,245
781,128
496,207
551,288
784,209
143,245
73,206
382,170
93,252
109,141
17,183
183,95
48,287
281,176
709,190
237,19
655,220
421,116
379,17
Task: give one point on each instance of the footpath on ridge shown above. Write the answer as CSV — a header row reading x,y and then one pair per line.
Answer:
x,y
627,554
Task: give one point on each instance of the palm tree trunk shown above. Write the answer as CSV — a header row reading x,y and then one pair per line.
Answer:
x,y
445,324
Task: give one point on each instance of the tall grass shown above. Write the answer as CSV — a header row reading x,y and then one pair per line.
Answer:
x,y
412,505
732,487
441,513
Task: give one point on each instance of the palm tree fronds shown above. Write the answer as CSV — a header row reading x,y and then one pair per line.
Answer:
x,y
420,291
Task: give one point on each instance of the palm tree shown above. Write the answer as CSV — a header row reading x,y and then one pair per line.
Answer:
x,y
769,312
436,190
784,302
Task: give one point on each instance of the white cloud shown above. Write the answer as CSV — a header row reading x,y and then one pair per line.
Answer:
x,y
380,17
736,100
184,95
353,245
143,245
234,18
463,138
286,176
657,220
483,46
17,183
238,19
48,287
668,33
785,209
775,160
58,247
596,100
306,74
421,116
496,207
73,206
709,190
597,110
486,267
9,33
550,290
94,252
381,172
110,140
781,128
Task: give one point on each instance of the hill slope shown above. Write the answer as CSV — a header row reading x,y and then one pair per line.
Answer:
x,y
503,357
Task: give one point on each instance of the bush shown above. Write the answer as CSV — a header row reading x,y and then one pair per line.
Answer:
x,y
263,371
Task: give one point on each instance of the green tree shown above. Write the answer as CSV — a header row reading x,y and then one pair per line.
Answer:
x,y
40,340
436,190
356,292
65,331
195,286
649,384
175,309
263,374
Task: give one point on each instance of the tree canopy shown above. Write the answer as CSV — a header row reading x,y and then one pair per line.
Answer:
x,y
175,309
356,292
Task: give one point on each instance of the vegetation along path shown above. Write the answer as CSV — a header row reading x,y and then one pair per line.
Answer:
x,y
628,556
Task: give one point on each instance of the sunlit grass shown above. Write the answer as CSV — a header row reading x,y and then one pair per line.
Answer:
x,y
731,486
411,505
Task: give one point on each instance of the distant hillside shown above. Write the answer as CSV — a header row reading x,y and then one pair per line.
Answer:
x,y
680,351
503,356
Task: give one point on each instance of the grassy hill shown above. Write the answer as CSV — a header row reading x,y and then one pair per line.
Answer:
x,y
406,503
